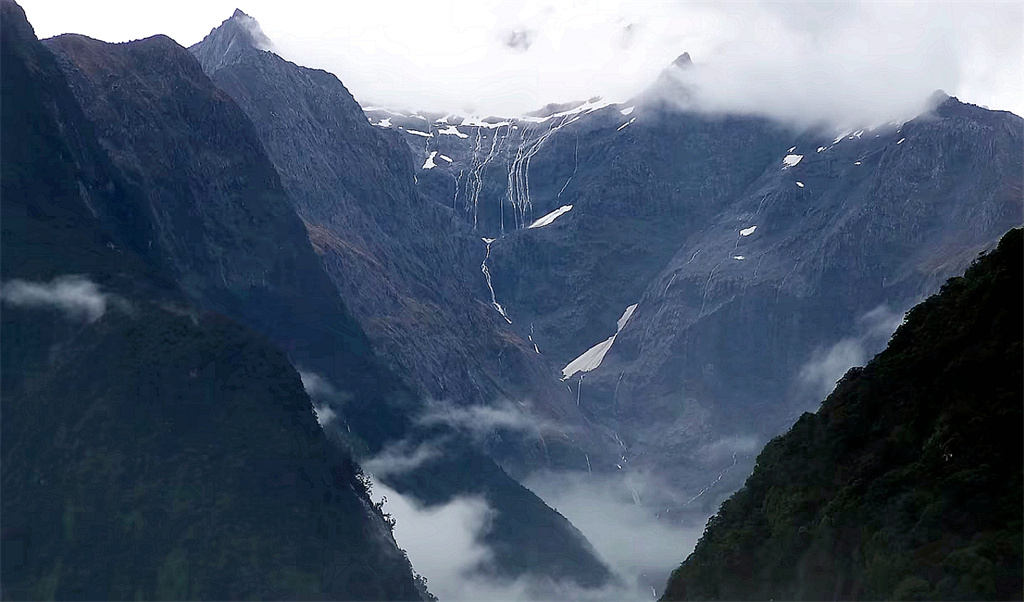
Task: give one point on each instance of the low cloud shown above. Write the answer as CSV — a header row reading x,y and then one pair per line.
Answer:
x,y
722,450
616,513
481,420
326,399
818,377
401,458
443,542
76,296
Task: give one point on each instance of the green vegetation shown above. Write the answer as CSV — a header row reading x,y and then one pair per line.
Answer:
x,y
907,483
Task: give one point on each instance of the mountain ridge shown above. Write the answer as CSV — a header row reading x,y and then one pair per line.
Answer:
x,y
906,483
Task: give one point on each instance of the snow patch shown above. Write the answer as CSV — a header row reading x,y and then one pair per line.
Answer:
x,y
627,110
419,133
550,217
738,257
821,148
800,184
451,130
586,107
791,150
446,158
856,162
626,315
592,358
901,141
627,123
748,231
478,122
385,123
429,163
791,160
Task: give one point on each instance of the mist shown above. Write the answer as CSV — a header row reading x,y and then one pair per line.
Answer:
x,y
479,421
819,375
445,542
77,297
857,62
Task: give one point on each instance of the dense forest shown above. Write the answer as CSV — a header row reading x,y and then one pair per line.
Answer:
x,y
906,484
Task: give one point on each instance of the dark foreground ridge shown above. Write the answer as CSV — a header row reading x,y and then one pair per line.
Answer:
x,y
150,449
906,484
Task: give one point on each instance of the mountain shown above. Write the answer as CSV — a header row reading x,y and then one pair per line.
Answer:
x,y
220,221
763,261
130,467
907,483
408,268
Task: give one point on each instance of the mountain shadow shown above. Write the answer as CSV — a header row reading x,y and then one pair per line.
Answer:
x,y
149,449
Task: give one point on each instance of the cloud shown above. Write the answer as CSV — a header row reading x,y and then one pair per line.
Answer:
x,y
721,450
324,396
801,62
793,60
77,296
480,420
616,513
401,458
820,374
443,542
841,64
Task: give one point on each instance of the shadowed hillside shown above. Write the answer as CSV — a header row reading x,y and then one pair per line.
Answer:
x,y
149,450
906,484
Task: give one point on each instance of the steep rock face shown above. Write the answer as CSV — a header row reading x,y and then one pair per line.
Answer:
x,y
907,483
764,261
217,215
128,463
224,226
409,270
754,315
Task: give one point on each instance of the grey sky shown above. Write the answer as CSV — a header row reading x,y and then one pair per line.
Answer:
x,y
875,59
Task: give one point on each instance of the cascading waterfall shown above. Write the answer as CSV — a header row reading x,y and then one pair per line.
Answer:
x,y
487,277
475,180
517,192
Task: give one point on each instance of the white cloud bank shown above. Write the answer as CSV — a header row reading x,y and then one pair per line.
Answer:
x,y
866,61
445,542
76,296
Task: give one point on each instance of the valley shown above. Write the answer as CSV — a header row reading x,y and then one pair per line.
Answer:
x,y
463,356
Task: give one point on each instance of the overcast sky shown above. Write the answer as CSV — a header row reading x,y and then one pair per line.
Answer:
x,y
826,60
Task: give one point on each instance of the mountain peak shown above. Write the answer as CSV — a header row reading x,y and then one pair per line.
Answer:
x,y
683,61
225,44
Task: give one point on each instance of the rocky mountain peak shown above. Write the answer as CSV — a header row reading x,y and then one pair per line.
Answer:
x,y
683,61
225,44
